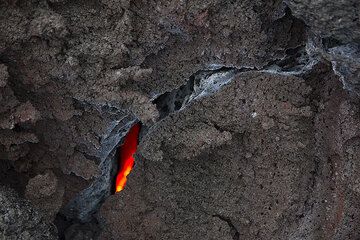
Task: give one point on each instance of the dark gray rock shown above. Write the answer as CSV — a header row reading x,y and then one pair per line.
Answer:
x,y
247,132
337,24
19,220
346,64
233,165
336,20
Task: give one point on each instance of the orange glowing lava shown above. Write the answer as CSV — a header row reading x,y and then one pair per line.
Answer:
x,y
126,160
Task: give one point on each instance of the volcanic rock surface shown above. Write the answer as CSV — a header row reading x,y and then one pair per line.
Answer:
x,y
249,110
19,220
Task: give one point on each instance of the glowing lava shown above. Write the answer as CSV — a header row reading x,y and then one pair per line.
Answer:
x,y
126,160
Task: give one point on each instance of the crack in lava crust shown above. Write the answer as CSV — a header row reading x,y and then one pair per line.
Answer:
x,y
126,159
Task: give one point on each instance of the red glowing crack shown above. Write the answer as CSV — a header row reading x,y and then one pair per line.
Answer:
x,y
126,160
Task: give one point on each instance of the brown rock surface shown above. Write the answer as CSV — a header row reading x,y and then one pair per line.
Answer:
x,y
45,192
220,174
249,113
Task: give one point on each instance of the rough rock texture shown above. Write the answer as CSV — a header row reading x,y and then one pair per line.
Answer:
x,y
19,220
337,24
246,149
45,192
269,155
249,113
331,19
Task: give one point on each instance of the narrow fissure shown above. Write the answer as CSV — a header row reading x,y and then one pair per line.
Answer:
x,y
297,62
200,84
115,170
116,167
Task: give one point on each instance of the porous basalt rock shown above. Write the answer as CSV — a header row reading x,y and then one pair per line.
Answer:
x,y
337,24
80,166
46,193
246,130
214,159
82,72
3,75
331,19
287,163
19,220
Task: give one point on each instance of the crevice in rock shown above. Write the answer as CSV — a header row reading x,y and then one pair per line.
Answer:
x,y
297,62
200,84
233,231
58,47
79,215
294,62
87,203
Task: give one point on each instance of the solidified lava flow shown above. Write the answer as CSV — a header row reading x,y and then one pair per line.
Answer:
x,y
126,159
